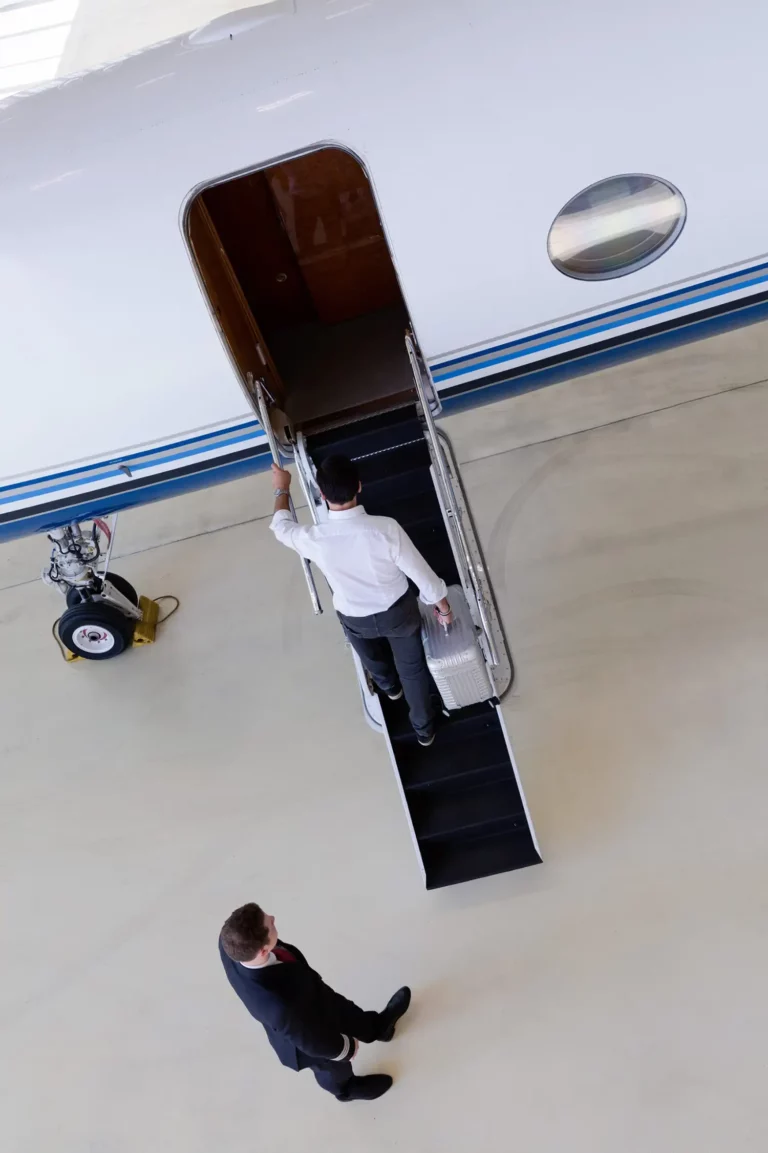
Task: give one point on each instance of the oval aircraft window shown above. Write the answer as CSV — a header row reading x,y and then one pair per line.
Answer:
x,y
616,226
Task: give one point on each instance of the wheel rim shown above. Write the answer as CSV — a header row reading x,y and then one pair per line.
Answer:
x,y
92,638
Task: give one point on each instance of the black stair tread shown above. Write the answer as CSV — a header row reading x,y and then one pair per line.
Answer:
x,y
424,527
450,757
429,534
475,718
487,775
390,465
451,863
392,495
363,449
370,435
417,508
436,551
441,812
408,504
400,485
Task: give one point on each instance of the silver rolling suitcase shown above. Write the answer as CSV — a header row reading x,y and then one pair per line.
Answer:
x,y
454,657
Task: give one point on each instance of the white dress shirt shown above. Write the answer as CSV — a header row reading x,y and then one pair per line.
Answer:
x,y
366,560
271,960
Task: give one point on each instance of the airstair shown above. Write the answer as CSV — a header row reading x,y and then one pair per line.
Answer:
x,y
462,795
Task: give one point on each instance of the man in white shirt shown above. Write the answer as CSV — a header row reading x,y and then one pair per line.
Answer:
x,y
367,561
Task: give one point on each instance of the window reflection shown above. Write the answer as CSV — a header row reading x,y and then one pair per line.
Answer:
x,y
616,226
33,36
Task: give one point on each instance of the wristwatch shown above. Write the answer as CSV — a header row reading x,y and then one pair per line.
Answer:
x,y
281,492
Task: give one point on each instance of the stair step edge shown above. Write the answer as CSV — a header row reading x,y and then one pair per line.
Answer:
x,y
416,787
474,828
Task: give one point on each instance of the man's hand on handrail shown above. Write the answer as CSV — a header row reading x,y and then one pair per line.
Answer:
x,y
281,483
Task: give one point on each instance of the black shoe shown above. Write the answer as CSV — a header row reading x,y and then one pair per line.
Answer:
x,y
395,694
397,1008
368,1088
425,739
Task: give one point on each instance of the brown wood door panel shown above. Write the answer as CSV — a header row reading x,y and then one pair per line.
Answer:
x,y
251,231
329,214
228,302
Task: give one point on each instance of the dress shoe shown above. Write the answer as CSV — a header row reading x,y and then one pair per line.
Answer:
x,y
398,1005
368,1088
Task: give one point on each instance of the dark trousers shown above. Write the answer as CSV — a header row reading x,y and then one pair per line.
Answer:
x,y
389,646
336,1076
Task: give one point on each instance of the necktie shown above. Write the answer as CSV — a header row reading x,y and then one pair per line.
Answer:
x,y
284,955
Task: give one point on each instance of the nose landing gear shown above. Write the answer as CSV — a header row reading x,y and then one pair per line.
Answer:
x,y
102,607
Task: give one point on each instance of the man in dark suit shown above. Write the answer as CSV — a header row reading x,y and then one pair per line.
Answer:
x,y
308,1024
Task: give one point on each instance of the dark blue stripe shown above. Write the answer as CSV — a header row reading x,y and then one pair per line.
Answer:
x,y
118,474
102,505
147,452
576,332
532,377
480,363
484,359
526,378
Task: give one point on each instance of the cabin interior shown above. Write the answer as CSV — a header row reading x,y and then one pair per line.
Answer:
x,y
301,282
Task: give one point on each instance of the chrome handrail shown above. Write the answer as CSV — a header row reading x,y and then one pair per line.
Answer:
x,y
461,546
301,460
257,387
489,599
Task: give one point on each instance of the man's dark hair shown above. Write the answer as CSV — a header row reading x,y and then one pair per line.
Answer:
x,y
244,933
339,479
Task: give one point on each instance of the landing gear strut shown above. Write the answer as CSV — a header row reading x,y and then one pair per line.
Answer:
x,y
102,607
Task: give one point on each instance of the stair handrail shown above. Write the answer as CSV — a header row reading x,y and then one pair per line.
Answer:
x,y
257,388
454,524
306,479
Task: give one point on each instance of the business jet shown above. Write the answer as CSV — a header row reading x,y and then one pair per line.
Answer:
x,y
313,213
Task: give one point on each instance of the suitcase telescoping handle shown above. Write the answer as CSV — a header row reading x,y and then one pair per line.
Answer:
x,y
443,619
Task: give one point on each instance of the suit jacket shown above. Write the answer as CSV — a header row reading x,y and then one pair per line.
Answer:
x,y
301,1015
